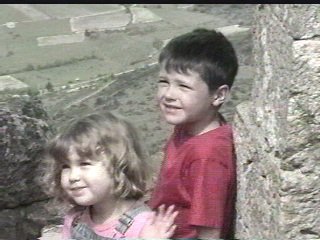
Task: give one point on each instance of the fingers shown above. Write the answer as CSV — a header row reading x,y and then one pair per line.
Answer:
x,y
151,218
169,211
170,231
161,210
172,216
166,215
160,224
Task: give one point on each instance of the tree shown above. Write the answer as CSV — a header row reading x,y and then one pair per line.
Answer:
x,y
49,87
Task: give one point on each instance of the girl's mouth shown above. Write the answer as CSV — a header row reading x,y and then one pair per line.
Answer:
x,y
77,191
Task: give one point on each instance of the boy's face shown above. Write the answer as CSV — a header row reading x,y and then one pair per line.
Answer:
x,y
184,99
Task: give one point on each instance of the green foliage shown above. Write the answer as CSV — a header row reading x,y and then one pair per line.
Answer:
x,y
29,67
34,108
9,53
99,101
105,79
49,87
87,33
157,44
33,92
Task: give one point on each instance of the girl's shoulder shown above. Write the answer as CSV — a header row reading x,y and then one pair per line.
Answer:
x,y
74,213
140,218
139,213
75,210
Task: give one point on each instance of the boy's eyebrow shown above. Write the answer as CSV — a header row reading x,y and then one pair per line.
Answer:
x,y
181,80
177,80
162,76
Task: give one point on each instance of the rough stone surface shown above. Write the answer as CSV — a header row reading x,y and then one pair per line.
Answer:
x,y
23,132
277,131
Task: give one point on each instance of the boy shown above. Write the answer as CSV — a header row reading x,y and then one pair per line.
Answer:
x,y
198,175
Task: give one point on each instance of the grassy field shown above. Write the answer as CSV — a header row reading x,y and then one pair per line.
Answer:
x,y
74,10
9,14
133,96
110,52
89,70
101,53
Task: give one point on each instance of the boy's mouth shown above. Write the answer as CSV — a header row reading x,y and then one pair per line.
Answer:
x,y
171,106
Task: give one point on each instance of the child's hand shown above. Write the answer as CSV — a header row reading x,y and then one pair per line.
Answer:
x,y
160,224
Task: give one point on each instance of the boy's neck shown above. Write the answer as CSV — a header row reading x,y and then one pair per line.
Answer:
x,y
194,129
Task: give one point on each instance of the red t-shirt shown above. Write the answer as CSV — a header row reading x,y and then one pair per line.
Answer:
x,y
198,176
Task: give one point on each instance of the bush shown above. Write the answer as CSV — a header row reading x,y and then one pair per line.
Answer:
x,y
157,44
33,92
29,67
34,108
99,101
49,87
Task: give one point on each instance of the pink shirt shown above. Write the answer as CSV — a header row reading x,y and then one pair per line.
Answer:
x,y
106,229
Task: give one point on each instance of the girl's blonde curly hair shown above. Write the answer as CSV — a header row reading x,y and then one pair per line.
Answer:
x,y
99,137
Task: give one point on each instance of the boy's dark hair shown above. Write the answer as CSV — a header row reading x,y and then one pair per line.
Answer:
x,y
206,52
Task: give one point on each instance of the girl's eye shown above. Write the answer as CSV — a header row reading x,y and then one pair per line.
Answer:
x,y
64,166
85,163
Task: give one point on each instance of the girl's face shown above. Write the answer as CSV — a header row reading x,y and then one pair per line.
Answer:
x,y
87,182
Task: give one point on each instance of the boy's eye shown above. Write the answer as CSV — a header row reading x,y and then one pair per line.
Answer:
x,y
185,86
162,81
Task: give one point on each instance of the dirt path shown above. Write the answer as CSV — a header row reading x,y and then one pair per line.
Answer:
x,y
78,101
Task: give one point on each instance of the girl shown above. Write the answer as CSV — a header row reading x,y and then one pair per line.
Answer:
x,y
98,166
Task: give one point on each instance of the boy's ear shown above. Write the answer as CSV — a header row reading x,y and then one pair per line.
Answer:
x,y
220,95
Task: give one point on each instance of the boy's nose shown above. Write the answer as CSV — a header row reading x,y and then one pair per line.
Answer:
x,y
169,94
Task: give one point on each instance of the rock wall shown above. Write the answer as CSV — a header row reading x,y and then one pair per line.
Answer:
x,y
23,132
277,132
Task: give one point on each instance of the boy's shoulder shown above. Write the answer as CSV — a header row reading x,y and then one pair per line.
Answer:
x,y
222,134
215,143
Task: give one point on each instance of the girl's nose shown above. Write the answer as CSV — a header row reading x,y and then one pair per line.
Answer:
x,y
74,175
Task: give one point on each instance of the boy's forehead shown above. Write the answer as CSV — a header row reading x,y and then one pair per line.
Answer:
x,y
174,73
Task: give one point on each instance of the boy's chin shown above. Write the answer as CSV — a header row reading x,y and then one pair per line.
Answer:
x,y
173,123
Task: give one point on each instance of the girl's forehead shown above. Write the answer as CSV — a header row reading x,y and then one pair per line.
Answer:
x,y
77,155
71,156
73,153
